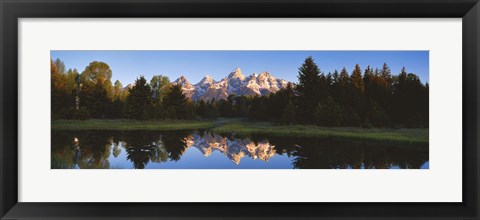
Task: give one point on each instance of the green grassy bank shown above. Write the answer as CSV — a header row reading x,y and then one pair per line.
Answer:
x,y
236,126
129,125
389,135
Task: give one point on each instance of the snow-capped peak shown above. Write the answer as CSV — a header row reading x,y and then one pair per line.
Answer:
x,y
182,80
236,83
264,75
207,79
236,74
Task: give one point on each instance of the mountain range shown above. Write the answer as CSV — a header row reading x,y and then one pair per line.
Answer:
x,y
235,83
234,149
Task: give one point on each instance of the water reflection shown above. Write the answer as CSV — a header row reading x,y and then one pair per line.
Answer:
x,y
206,150
234,149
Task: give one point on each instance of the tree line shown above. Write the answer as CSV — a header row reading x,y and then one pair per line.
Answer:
x,y
91,94
368,98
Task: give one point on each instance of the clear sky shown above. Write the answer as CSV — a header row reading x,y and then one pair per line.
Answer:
x,y
128,65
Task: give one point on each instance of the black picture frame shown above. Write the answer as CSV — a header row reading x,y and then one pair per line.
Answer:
x,y
12,10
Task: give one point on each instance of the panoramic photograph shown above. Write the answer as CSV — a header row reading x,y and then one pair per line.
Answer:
x,y
239,109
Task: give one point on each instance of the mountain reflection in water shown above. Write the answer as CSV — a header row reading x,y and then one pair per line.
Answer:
x,y
206,150
235,149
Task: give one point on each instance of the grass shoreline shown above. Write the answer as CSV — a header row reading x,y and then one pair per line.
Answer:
x,y
414,136
236,126
128,125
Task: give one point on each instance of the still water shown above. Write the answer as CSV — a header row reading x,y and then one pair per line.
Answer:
x,y
207,150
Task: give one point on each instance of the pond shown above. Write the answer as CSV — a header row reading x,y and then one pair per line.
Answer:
x,y
206,150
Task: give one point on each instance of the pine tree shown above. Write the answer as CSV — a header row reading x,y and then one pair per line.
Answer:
x,y
342,88
335,77
329,79
117,90
358,90
60,66
62,85
368,80
357,80
177,104
308,90
139,103
386,74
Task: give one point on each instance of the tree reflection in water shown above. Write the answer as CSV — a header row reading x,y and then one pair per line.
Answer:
x,y
96,150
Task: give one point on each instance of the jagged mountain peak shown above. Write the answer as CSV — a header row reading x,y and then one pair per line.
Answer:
x,y
182,80
236,74
207,79
235,83
264,74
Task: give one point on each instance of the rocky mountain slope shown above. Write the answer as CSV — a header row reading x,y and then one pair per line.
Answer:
x,y
235,83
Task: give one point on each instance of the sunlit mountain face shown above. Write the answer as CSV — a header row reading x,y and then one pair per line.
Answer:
x,y
235,150
207,150
233,84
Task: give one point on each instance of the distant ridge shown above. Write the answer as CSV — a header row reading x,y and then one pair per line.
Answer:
x,y
235,83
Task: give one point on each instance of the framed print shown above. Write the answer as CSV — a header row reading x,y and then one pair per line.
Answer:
x,y
180,109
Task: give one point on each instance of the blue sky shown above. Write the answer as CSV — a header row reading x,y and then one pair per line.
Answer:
x,y
128,65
